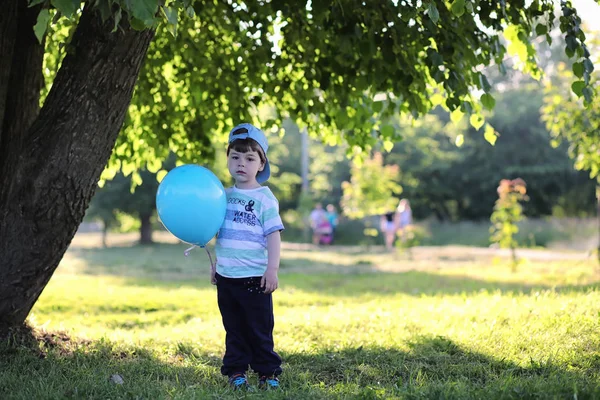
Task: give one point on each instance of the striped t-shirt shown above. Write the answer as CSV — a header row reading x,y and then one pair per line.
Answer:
x,y
252,214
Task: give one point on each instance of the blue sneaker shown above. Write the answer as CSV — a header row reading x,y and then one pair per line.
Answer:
x,y
268,382
239,382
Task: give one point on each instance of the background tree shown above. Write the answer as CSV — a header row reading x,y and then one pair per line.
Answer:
x,y
104,207
569,122
522,149
458,182
324,70
116,196
372,190
427,156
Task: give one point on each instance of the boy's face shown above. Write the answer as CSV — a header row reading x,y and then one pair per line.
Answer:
x,y
243,167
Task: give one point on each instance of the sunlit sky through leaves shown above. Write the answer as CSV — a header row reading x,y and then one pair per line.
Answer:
x,y
589,11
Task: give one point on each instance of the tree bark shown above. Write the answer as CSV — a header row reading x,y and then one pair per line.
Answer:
x,y
58,156
146,229
8,36
21,79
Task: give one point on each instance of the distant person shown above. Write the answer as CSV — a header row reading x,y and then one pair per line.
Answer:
x,y
388,226
245,271
404,215
333,218
320,224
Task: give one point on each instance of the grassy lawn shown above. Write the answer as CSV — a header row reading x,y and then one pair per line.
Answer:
x,y
350,324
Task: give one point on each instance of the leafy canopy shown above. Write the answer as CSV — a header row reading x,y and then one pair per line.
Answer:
x,y
338,67
567,120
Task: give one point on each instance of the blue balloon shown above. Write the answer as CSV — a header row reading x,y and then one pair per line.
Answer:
x,y
191,204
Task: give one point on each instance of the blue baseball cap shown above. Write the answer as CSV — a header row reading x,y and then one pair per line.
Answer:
x,y
249,131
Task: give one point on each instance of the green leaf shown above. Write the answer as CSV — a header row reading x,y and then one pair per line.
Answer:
x,y
433,12
41,24
136,180
586,52
476,121
161,174
66,7
387,131
458,8
143,10
33,3
485,85
154,166
171,15
588,94
105,11
571,41
488,101
466,107
569,52
436,99
452,103
388,145
588,65
541,29
578,87
341,119
118,15
137,24
502,68
456,115
377,106
578,69
490,134
190,12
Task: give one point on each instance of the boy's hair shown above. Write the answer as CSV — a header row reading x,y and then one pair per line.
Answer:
x,y
245,146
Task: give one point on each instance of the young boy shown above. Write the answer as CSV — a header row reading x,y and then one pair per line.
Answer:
x,y
245,272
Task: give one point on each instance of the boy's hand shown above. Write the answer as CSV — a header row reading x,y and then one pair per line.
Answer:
x,y
269,281
213,271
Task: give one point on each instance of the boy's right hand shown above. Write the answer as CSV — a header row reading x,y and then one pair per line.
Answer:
x,y
213,271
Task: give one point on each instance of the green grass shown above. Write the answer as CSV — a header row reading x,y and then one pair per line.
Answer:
x,y
576,233
567,233
350,324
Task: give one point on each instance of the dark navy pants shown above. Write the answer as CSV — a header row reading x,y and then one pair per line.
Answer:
x,y
248,320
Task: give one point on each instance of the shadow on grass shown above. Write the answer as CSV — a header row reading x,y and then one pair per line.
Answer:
x,y
380,284
158,258
164,265
431,367
436,368
167,261
416,283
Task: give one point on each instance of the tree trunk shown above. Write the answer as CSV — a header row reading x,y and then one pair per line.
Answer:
x,y
19,89
105,234
146,229
55,160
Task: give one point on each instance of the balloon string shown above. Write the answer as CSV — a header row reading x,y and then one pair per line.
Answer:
x,y
209,257
187,253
